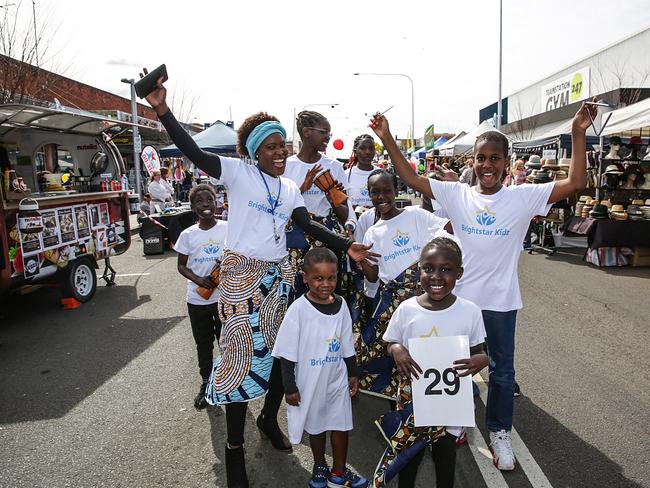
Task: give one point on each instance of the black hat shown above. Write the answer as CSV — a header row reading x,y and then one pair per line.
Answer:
x,y
599,212
615,140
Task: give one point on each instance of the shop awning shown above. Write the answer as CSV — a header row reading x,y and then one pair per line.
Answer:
x,y
462,144
631,118
218,138
14,116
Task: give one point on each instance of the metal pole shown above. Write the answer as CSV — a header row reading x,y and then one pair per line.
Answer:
x,y
499,115
35,32
136,139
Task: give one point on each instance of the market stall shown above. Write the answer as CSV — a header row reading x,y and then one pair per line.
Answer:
x,y
62,200
464,143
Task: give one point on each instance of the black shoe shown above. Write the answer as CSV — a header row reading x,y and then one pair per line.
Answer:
x,y
236,468
517,390
199,401
271,430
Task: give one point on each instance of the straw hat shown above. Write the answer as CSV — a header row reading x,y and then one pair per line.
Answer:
x,y
565,163
561,175
550,164
534,162
607,203
637,201
585,198
618,208
613,169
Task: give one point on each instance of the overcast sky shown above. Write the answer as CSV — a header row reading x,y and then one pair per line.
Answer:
x,y
252,55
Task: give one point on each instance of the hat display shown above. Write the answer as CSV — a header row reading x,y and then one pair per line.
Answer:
x,y
615,140
565,163
533,162
646,211
561,175
542,176
636,140
613,169
599,212
607,203
637,201
550,164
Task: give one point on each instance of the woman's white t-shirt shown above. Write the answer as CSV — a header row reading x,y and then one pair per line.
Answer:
x,y
250,221
400,240
491,230
411,320
315,198
358,186
203,249
317,343
366,220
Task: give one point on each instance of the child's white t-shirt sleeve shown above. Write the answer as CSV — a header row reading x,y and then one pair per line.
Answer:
x,y
432,222
288,338
536,198
182,245
478,334
347,342
394,331
445,192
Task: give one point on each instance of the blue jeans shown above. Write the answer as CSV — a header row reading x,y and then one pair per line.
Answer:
x,y
500,328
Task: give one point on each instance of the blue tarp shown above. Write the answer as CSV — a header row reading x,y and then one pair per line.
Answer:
x,y
441,140
218,138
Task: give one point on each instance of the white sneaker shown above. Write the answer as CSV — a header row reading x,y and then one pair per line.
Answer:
x,y
501,449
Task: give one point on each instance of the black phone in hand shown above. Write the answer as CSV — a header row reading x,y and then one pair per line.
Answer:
x,y
146,85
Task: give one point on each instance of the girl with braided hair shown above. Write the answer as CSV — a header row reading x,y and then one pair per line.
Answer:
x,y
257,276
303,168
363,154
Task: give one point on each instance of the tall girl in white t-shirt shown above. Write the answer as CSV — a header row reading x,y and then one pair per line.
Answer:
x,y
491,221
315,132
199,249
257,275
436,312
398,236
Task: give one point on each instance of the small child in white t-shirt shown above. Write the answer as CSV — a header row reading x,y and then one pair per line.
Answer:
x,y
316,352
437,312
199,249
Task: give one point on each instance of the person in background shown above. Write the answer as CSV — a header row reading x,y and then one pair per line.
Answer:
x,y
145,206
468,172
518,173
165,180
160,192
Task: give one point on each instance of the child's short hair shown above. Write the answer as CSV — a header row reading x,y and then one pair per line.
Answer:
x,y
198,189
383,172
496,137
318,255
443,243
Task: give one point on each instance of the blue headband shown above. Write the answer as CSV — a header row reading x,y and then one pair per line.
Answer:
x,y
261,132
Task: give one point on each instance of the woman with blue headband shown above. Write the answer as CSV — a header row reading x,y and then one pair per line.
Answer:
x,y
257,276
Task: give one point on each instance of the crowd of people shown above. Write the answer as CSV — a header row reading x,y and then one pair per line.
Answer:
x,y
313,299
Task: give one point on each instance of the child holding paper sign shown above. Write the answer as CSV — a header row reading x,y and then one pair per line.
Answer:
x,y
437,312
199,249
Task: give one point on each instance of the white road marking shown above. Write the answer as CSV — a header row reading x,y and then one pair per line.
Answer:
x,y
525,459
131,274
483,457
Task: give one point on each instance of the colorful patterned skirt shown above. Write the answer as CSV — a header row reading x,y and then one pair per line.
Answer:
x,y
253,298
404,439
378,374
298,243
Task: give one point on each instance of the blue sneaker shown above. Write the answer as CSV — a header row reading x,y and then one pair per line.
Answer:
x,y
319,475
348,480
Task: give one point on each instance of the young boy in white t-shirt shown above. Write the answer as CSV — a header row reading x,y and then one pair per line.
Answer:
x,y
316,352
436,312
199,249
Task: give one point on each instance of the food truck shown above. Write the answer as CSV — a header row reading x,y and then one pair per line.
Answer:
x,y
63,208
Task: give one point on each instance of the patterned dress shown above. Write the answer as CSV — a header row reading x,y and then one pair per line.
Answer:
x,y
254,295
378,374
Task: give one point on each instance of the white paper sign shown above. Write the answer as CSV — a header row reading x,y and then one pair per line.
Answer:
x,y
440,398
548,153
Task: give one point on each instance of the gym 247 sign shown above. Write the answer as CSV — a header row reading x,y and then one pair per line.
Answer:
x,y
571,88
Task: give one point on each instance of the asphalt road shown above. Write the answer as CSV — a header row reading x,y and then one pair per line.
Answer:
x,y
102,395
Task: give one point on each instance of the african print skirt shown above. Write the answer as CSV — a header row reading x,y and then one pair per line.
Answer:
x,y
404,439
298,243
253,298
378,374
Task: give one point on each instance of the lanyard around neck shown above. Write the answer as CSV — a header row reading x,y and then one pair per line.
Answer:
x,y
272,203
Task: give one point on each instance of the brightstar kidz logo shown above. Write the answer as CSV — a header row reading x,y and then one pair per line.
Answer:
x,y
211,247
333,345
485,217
401,239
273,200
365,192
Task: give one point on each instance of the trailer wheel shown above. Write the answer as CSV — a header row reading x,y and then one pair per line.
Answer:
x,y
81,280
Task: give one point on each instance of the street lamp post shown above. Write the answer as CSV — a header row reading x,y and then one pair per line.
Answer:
x,y
293,132
412,99
500,102
137,146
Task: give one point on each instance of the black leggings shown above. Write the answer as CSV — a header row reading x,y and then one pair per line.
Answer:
x,y
236,412
206,327
443,452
